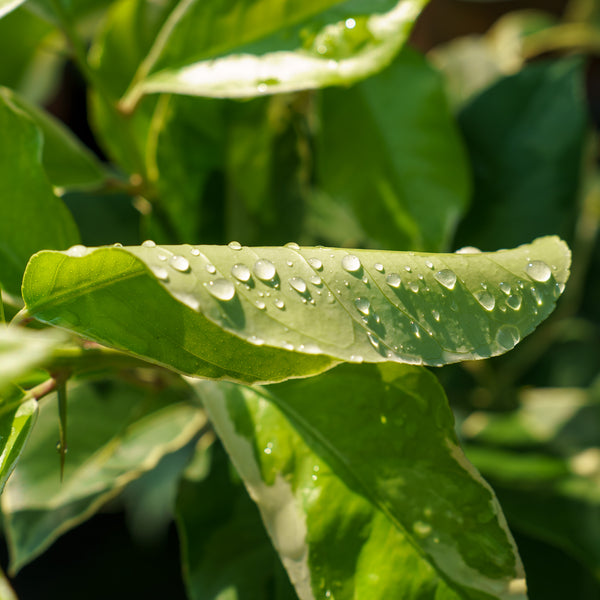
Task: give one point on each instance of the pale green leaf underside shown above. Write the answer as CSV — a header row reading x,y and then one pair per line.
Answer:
x,y
7,6
270,313
342,51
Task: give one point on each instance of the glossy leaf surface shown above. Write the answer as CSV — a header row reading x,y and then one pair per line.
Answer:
x,y
363,488
265,314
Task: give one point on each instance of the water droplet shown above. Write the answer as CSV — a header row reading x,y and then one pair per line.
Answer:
x,y
188,300
264,269
315,280
365,280
505,287
436,315
429,264
350,263
149,244
356,358
222,289
538,271
256,340
260,305
378,267
292,246
117,245
211,268
235,245
347,284
180,263
261,88
195,252
468,250
363,306
407,269
350,23
508,337
160,273
374,341
279,303
514,301
559,288
415,329
240,272
289,263
485,299
421,529
393,280
419,276
77,251
413,286
446,277
162,256
315,263
269,448
288,346
537,296
298,284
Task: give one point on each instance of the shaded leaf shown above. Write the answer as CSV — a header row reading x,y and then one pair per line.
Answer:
x,y
413,181
372,500
117,432
31,216
266,314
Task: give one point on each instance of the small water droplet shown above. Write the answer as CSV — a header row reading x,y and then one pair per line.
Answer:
x,y
421,529
298,284
162,256
240,272
289,263
160,273
315,280
505,287
180,263
537,296
292,246
378,267
117,245
413,286
269,448
365,280
195,252
446,277
485,299
514,301
419,276
222,289
347,284
374,341
393,280
279,303
408,269
356,358
415,329
436,315
315,263
468,250
235,245
363,306
149,244
508,337
288,346
77,251
256,340
559,288
211,268
264,269
260,305
351,263
538,270
429,264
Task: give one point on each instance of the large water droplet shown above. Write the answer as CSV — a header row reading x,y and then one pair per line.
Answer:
x,y
505,287
351,263
160,273
241,272
298,284
222,289
446,277
514,301
149,244
468,250
508,337
235,245
292,246
363,306
180,263
485,299
264,269
78,251
315,263
393,280
538,271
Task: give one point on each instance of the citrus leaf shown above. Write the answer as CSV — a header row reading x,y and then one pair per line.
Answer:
x,y
374,500
266,314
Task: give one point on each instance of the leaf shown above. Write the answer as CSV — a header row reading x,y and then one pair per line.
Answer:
x,y
7,6
117,432
525,136
31,216
6,591
413,180
67,162
363,487
226,551
259,48
266,314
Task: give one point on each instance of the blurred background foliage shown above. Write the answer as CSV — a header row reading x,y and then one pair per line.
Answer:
x,y
482,132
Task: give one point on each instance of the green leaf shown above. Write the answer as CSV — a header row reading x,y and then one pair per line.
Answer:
x,y
67,162
226,551
6,591
31,216
363,487
413,182
262,49
525,136
266,314
117,432
7,6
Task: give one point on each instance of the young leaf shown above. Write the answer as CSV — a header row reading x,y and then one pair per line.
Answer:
x,y
363,488
31,216
267,314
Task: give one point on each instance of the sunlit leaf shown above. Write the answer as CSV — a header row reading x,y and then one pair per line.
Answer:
x,y
7,6
363,488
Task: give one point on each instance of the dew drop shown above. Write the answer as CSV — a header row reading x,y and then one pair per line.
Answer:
x,y
365,280
240,272
468,250
538,270
505,287
347,284
374,341
429,264
508,337
117,245
413,286
149,244
559,288
315,280
288,346
269,448
160,273
537,296
363,306
485,299
407,269
298,284
351,263
436,315
260,305
378,267
235,245
514,301
222,289
180,263
421,529
292,246
256,340
356,358
279,303
264,269
446,277
393,280
77,251
415,329
211,268
419,276
162,256
195,252
315,263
